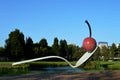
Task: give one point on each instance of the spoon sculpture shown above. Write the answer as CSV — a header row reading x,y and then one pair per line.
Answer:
x,y
89,44
84,58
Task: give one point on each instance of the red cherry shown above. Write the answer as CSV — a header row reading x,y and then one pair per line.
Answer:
x,y
89,44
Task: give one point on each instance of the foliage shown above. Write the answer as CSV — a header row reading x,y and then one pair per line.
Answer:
x,y
78,52
15,45
63,48
2,51
29,48
36,49
43,43
44,49
118,50
113,50
55,47
96,55
105,53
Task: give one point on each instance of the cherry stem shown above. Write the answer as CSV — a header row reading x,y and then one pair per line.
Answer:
x,y
89,28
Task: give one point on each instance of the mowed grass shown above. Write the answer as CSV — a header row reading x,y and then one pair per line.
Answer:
x,y
6,68
115,66
6,63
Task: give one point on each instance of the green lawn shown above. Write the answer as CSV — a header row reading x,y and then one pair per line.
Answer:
x,y
6,68
115,66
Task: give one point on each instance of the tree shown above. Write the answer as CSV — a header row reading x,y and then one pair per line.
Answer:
x,y
96,56
43,43
55,47
78,52
63,48
119,50
2,51
44,47
70,51
29,48
113,51
36,49
105,53
74,52
15,45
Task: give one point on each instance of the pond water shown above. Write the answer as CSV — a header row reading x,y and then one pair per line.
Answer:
x,y
66,69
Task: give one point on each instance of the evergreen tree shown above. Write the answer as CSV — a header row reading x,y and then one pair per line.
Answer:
x,y
113,50
2,51
70,51
63,48
29,48
55,47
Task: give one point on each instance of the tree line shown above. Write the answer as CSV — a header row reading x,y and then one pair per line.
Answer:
x,y
16,48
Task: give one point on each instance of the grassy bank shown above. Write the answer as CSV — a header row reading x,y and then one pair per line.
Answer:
x,y
6,68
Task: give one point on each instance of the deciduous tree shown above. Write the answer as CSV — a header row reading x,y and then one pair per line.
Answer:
x,y
15,45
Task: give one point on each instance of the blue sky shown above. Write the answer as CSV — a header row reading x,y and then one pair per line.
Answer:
x,y
64,19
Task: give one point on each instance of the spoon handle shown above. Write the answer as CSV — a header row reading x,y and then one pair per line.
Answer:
x,y
42,58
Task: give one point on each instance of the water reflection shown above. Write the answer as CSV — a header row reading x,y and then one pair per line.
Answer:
x,y
66,69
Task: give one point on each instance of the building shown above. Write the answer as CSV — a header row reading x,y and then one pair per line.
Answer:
x,y
117,45
101,44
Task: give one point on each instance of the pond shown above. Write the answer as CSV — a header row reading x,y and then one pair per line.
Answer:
x,y
53,70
